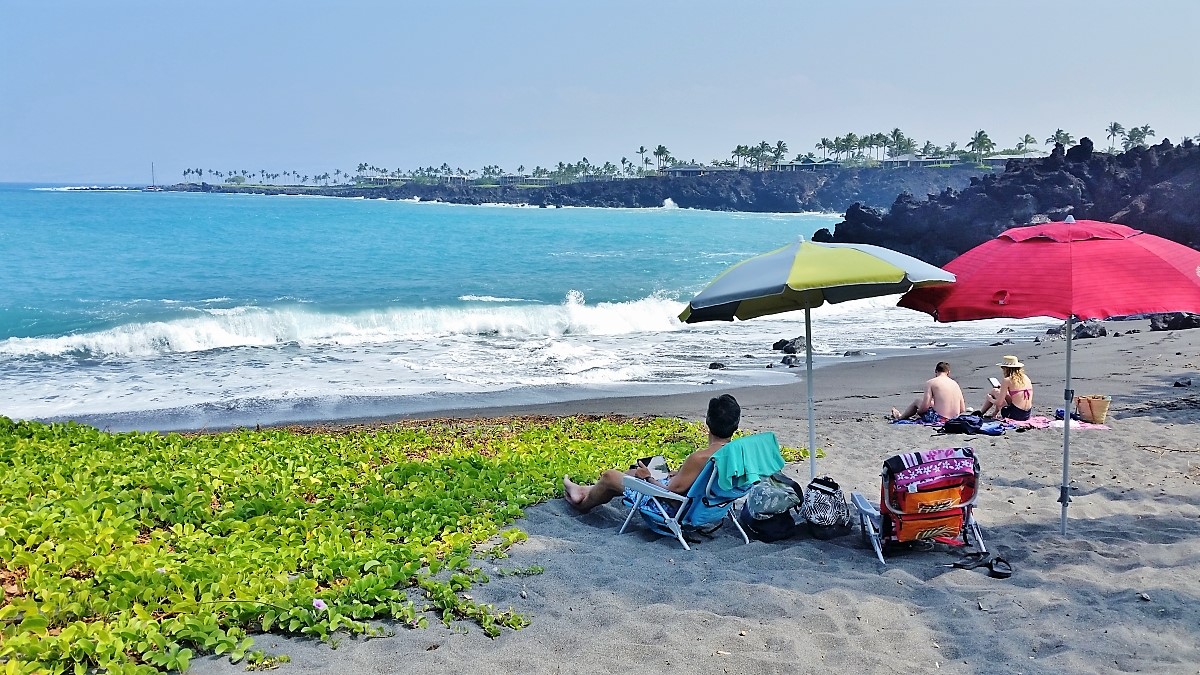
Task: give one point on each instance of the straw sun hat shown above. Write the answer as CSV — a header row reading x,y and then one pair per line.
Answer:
x,y
1011,362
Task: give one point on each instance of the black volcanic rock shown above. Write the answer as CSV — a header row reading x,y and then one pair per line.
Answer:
x,y
1154,189
1174,321
760,191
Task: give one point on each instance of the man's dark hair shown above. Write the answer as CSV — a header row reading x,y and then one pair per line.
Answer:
x,y
724,414
942,367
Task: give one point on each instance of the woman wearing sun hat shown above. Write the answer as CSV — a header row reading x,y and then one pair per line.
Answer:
x,y
1013,399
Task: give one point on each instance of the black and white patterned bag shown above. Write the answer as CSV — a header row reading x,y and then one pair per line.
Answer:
x,y
825,508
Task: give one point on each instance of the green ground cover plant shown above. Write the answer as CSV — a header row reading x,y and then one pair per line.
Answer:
x,y
135,552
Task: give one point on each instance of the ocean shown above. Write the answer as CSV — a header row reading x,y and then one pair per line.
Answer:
x,y
165,311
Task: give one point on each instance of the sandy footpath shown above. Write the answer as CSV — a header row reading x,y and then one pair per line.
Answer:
x,y
1119,593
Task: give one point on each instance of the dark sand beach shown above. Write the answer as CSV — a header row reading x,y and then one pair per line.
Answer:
x,y
1119,593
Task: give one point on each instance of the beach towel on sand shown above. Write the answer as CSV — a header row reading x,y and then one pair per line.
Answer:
x,y
1043,422
929,418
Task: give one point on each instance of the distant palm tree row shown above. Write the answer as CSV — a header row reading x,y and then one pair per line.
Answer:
x,y
851,148
240,176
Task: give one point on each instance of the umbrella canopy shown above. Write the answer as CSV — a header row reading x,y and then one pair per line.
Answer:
x,y
805,275
1070,270
1084,269
808,274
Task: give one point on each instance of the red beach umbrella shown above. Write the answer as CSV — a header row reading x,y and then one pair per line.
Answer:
x,y
1070,270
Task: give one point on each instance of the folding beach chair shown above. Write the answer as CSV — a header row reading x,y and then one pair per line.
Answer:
x,y
744,462
924,496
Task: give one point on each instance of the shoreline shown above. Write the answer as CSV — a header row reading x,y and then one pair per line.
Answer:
x,y
837,387
1127,563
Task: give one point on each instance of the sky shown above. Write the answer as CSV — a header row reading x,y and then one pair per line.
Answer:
x,y
97,91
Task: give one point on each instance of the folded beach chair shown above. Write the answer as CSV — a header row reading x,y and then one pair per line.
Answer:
x,y
924,496
728,476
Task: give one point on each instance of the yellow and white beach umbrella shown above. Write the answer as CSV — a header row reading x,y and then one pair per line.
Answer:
x,y
805,275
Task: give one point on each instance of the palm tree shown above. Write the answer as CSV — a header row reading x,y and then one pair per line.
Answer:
x,y
661,154
980,144
1026,142
1136,136
1115,131
641,151
779,151
824,145
863,143
1061,136
839,146
896,140
761,152
851,141
881,142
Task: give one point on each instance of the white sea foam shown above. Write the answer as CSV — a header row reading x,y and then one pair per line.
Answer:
x,y
71,188
490,298
245,365
222,328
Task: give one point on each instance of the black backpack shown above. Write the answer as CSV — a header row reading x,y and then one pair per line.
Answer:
x,y
825,509
775,526
972,424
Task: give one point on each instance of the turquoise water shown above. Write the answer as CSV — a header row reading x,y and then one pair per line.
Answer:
x,y
181,310
87,261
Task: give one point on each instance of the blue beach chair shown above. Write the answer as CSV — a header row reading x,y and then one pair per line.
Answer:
x,y
727,477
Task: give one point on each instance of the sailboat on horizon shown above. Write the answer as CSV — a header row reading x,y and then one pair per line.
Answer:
x,y
153,186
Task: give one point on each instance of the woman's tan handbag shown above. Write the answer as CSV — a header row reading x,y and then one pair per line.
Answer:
x,y
1093,407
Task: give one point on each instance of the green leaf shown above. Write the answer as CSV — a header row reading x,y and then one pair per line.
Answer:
x,y
240,651
34,623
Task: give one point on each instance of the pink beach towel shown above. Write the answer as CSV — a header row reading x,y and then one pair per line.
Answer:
x,y
1042,422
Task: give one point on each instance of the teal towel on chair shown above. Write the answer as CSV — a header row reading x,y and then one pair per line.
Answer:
x,y
748,459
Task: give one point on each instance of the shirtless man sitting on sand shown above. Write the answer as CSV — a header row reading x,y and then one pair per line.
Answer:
x,y
724,414
943,399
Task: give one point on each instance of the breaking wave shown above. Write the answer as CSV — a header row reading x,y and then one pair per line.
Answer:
x,y
211,328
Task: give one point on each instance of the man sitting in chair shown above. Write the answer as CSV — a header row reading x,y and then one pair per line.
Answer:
x,y
724,414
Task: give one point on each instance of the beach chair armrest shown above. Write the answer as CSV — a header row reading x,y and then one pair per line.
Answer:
x,y
649,489
864,507
871,522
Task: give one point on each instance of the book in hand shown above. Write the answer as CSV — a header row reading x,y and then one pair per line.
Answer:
x,y
994,382
657,465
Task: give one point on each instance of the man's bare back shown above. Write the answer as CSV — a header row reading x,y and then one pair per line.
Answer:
x,y
946,397
942,395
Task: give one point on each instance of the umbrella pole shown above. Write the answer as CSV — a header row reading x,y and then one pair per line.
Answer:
x,y
1064,496
812,429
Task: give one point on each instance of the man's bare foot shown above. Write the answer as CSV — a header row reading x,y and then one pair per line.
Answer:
x,y
895,414
573,493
